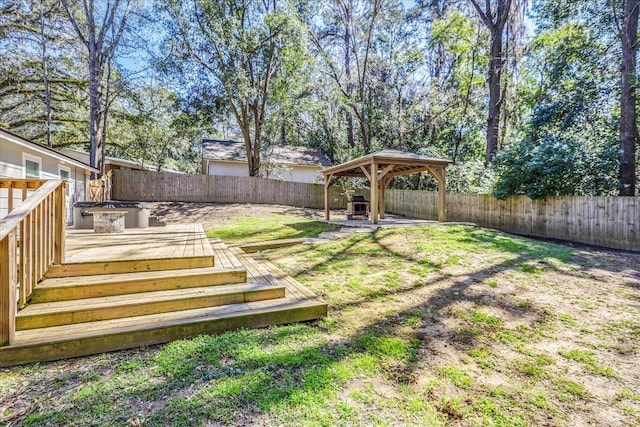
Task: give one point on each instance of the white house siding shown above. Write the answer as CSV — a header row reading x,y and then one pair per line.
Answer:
x,y
294,173
228,168
11,166
309,174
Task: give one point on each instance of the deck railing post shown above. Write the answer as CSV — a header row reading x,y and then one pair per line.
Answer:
x,y
60,224
8,303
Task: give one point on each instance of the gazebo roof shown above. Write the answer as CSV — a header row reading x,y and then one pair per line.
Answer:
x,y
395,163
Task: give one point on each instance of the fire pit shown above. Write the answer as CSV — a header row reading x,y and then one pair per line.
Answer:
x,y
357,208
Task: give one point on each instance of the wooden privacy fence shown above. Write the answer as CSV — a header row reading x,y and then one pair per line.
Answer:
x,y
31,239
610,222
148,186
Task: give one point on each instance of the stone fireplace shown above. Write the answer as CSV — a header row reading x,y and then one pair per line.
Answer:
x,y
357,208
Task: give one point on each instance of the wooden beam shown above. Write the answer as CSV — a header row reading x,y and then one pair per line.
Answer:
x,y
327,184
366,173
8,276
10,198
382,188
407,171
60,224
385,171
442,202
374,193
439,174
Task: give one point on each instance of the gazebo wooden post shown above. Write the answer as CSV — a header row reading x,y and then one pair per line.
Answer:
x,y
442,196
374,192
384,183
382,187
327,184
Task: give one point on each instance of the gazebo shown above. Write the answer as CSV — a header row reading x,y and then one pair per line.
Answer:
x,y
380,168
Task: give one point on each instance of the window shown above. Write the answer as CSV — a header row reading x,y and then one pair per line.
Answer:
x,y
65,174
31,166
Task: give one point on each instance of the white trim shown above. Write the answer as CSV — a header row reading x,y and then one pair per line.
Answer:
x,y
31,158
64,168
45,151
67,169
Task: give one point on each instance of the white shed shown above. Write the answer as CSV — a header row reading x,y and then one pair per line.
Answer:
x,y
289,163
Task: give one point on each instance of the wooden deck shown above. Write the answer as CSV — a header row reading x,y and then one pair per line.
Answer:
x,y
171,241
133,289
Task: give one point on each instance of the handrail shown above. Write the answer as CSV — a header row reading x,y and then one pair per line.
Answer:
x,y
19,184
31,239
10,221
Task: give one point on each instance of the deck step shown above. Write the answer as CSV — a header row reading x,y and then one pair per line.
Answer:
x,y
37,345
127,266
73,288
120,306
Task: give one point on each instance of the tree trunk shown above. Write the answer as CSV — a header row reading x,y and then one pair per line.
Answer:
x,y
347,72
99,49
283,129
94,110
45,75
495,101
628,126
495,20
105,113
366,146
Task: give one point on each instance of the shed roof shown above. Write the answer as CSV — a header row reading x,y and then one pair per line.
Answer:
x,y
213,149
397,163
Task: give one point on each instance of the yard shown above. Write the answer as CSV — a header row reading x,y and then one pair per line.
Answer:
x,y
437,325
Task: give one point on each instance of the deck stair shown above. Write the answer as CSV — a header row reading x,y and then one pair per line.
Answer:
x,y
104,285
89,307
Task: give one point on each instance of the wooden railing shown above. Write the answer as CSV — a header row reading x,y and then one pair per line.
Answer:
x,y
20,186
31,239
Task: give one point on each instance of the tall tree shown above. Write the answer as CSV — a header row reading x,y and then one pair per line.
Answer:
x,y
350,26
150,128
100,29
495,18
41,86
628,116
237,48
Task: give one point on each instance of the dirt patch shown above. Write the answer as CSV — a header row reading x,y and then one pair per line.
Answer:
x,y
215,214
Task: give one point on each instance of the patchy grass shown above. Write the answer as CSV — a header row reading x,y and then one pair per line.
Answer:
x,y
438,325
586,358
279,226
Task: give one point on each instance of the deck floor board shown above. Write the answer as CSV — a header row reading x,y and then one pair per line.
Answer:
x,y
171,241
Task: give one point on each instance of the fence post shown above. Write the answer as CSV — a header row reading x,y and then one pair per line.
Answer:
x,y
60,224
8,276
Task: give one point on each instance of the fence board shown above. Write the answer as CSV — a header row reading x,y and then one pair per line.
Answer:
x,y
610,222
148,186
603,221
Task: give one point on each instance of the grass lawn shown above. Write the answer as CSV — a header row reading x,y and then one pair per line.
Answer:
x,y
438,325
272,227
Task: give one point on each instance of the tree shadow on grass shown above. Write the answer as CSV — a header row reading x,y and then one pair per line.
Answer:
x,y
294,230
294,373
